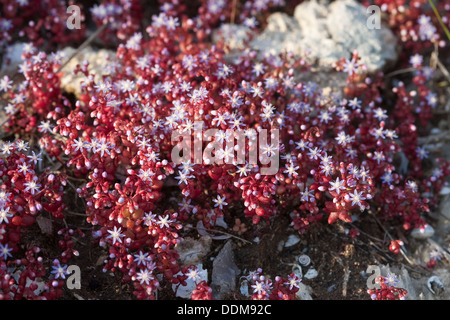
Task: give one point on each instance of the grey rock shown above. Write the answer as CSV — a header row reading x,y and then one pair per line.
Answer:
x,y
347,24
204,232
304,292
423,233
45,224
444,206
281,22
311,273
292,240
444,191
12,58
244,288
435,285
224,273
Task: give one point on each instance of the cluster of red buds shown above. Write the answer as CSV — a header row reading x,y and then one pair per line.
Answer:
x,y
202,292
395,246
38,97
388,289
27,194
23,278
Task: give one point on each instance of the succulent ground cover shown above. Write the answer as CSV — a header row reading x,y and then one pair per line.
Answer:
x,y
92,179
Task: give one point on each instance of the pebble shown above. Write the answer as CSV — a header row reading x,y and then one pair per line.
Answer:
x,y
444,191
423,233
435,285
311,273
292,240
244,288
304,292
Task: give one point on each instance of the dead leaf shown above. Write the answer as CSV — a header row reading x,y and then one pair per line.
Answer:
x,y
45,224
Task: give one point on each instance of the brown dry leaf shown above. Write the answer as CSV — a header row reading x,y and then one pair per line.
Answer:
x,y
45,224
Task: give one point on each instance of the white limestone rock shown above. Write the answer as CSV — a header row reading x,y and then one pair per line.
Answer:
x,y
98,61
347,24
323,34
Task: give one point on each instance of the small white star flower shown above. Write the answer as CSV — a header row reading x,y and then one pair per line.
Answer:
x,y
4,215
115,235
193,274
103,147
141,258
164,221
243,170
337,185
350,66
220,202
5,251
78,145
34,157
59,271
145,175
24,168
293,281
183,177
45,127
144,276
356,198
5,84
291,170
391,280
32,186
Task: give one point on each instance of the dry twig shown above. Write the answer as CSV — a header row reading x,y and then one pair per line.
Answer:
x,y
390,237
219,231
